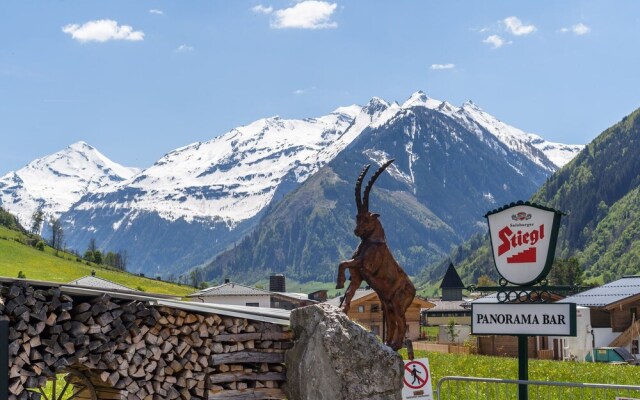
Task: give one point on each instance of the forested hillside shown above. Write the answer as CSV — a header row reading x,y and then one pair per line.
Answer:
x,y
599,192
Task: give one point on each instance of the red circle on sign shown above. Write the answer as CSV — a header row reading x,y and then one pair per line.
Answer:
x,y
421,381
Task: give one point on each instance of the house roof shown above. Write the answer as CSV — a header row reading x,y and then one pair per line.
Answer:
x,y
94,281
230,289
237,289
451,279
360,293
441,305
293,296
609,294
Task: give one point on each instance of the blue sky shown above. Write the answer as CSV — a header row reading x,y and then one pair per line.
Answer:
x,y
137,79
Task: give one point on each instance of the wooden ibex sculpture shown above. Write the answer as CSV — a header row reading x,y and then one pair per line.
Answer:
x,y
374,263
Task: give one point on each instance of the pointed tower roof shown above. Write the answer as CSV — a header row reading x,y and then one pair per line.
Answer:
x,y
451,279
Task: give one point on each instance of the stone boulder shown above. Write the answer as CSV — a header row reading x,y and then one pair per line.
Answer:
x,y
334,358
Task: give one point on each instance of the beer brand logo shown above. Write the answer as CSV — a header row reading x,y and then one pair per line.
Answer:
x,y
510,240
521,216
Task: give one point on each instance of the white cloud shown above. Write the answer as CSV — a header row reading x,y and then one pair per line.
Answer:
x,y
101,31
260,9
309,14
515,26
442,66
299,92
183,48
496,41
156,11
578,29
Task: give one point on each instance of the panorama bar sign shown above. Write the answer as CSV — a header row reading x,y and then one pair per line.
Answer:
x,y
523,240
557,319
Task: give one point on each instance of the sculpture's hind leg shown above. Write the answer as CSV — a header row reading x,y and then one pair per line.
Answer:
x,y
402,299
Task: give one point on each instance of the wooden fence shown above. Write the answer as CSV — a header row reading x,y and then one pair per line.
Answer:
x,y
441,348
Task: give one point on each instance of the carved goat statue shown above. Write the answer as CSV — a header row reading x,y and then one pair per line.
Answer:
x,y
374,263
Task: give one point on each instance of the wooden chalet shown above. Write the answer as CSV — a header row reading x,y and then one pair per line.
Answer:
x,y
366,310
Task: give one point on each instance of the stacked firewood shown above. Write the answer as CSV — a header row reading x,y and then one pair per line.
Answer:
x,y
134,350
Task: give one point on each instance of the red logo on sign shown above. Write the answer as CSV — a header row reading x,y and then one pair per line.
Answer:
x,y
510,240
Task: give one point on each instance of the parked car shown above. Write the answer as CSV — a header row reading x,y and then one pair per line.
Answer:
x,y
612,355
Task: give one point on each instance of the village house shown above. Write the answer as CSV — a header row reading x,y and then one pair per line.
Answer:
x,y
231,293
366,310
610,319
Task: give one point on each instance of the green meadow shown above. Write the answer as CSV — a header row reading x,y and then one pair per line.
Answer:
x,y
15,256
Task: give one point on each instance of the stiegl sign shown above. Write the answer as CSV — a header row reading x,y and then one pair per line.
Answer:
x,y
523,240
557,319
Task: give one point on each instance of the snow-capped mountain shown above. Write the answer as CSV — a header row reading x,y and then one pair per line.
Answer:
x,y
234,176
55,182
202,198
548,155
449,170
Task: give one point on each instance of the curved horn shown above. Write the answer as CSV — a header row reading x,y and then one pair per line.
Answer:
x,y
359,185
365,198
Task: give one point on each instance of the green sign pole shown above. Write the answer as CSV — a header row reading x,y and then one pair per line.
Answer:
x,y
523,366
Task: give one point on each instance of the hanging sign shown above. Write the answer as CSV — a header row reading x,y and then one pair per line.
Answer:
x,y
417,380
523,240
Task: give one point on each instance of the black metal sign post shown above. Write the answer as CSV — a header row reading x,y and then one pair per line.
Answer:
x,y
4,359
523,366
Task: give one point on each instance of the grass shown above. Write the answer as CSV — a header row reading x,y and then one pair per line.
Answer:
x,y
442,365
47,266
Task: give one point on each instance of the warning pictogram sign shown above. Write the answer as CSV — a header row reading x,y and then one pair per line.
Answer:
x,y
417,380
416,375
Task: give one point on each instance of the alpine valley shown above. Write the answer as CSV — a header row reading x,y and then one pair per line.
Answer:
x,y
277,195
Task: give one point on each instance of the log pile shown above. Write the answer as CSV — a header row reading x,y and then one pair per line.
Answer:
x,y
131,350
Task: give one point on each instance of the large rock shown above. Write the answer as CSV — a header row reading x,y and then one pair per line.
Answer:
x,y
334,358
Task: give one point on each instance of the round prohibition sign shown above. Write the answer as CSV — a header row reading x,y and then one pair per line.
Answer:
x,y
417,373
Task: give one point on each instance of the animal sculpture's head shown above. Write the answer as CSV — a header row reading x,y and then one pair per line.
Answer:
x,y
367,222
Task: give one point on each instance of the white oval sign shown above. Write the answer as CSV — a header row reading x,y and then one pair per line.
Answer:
x,y
523,240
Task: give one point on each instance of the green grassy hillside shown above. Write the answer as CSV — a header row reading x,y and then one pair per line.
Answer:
x,y
16,256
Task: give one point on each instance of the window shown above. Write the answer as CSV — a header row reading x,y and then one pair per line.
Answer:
x,y
634,347
253,304
375,307
360,308
634,313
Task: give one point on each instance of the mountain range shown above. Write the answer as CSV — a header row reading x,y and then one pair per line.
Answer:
x,y
198,201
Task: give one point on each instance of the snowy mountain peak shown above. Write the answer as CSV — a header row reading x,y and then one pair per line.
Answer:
x,y
469,104
55,182
350,111
420,99
376,105
532,145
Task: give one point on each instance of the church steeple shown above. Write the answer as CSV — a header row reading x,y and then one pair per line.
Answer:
x,y
451,285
